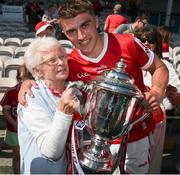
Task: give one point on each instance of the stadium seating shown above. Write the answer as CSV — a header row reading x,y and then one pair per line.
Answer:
x,y
1,41
26,42
176,51
8,51
5,83
11,66
12,42
19,52
1,68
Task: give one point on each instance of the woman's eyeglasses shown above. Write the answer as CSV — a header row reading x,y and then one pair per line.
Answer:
x,y
54,61
149,40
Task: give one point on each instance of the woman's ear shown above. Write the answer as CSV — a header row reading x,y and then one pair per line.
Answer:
x,y
37,73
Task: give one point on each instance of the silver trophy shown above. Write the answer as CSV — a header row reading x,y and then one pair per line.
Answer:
x,y
111,101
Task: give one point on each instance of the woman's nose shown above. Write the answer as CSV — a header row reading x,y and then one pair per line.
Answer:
x,y
146,43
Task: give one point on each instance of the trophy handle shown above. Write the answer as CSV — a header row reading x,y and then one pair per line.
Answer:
x,y
81,86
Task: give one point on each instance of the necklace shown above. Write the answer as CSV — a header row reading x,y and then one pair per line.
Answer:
x,y
56,93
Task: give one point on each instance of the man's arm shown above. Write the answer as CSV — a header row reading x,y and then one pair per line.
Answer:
x,y
26,88
160,77
120,29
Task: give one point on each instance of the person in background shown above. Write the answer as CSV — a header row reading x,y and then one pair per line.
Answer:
x,y
55,13
166,42
132,9
114,20
34,13
48,14
9,107
58,32
44,124
95,52
44,29
97,6
140,22
147,8
151,37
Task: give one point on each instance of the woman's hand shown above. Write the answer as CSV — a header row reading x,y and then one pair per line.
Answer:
x,y
26,88
173,95
68,102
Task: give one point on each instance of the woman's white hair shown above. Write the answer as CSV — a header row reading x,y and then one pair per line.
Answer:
x,y
34,52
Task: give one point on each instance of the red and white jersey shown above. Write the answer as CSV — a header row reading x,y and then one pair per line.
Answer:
x,y
11,98
116,46
114,21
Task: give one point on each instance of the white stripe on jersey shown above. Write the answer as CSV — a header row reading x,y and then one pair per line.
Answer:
x,y
149,53
101,55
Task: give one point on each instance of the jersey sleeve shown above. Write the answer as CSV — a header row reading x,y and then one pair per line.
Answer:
x,y
144,56
6,100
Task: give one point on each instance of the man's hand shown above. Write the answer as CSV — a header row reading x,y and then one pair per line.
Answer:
x,y
160,76
152,100
26,88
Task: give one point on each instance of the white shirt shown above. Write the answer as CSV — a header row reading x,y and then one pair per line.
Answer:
x,y
42,134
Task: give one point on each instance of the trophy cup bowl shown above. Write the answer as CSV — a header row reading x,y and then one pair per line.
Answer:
x,y
106,122
112,98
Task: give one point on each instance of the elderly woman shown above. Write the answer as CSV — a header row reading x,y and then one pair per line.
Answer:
x,y
45,123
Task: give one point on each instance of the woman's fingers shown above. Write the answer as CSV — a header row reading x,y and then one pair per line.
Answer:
x,y
68,102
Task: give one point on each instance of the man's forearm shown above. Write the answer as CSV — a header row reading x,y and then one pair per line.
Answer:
x,y
160,79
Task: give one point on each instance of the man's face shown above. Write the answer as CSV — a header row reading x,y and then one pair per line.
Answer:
x,y
82,32
48,32
142,23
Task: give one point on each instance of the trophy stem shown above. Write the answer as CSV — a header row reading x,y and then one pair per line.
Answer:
x,y
97,145
96,158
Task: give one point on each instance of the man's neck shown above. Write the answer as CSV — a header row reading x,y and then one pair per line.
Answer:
x,y
97,48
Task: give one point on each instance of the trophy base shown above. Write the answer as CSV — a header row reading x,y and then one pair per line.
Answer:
x,y
92,164
87,170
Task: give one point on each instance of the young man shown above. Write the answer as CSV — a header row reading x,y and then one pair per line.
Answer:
x,y
96,52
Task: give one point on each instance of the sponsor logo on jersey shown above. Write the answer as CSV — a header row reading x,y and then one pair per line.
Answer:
x,y
100,68
82,74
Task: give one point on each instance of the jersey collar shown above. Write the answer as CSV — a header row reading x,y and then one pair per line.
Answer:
x,y
97,59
